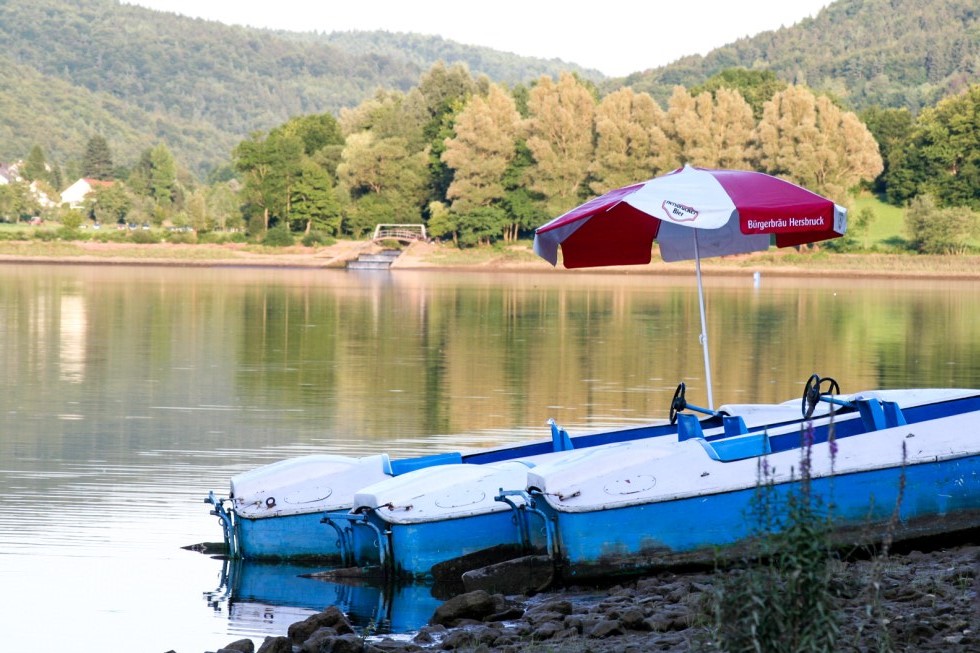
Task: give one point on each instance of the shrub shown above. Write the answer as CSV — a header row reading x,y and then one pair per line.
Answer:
x,y
315,238
279,236
182,237
935,230
67,233
144,237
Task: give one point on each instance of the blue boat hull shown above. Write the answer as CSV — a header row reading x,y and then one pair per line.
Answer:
x,y
937,497
414,549
294,537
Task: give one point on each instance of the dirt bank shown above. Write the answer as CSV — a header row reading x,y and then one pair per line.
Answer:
x,y
510,258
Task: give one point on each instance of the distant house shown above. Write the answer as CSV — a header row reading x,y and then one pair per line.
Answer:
x,y
42,197
74,195
8,174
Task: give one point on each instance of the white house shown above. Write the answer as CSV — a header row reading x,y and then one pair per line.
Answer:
x,y
74,195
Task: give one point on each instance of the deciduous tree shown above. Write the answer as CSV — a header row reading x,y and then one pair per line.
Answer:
x,y
559,139
481,149
811,141
630,141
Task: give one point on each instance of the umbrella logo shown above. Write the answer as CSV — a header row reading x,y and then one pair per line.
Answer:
x,y
679,212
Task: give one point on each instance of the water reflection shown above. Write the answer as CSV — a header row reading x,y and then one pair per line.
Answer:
x,y
267,598
129,393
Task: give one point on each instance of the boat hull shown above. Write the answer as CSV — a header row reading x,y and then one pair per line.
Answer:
x,y
298,538
641,506
625,541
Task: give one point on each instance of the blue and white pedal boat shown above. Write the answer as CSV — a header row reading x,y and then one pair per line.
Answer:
x,y
431,516
634,507
274,512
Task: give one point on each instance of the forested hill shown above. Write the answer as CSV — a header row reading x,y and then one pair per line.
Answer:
x,y
890,53
72,68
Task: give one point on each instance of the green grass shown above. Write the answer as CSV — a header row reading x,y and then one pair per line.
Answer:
x,y
887,230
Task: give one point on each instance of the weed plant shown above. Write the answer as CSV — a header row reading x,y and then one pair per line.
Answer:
x,y
781,599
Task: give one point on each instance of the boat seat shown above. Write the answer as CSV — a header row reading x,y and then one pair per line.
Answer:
x,y
405,465
751,445
688,427
733,425
560,440
893,414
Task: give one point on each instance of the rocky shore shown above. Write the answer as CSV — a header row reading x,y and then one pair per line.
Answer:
x,y
914,600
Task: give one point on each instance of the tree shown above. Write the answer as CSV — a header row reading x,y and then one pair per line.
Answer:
x,y
942,155
935,230
97,162
630,141
223,207
811,141
382,176
17,202
163,176
712,131
321,136
755,86
35,168
270,165
559,137
891,129
109,203
314,204
481,149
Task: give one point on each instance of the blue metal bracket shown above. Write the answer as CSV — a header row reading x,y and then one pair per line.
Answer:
x,y
227,520
361,519
520,514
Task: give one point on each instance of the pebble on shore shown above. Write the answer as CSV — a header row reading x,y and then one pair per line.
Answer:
x,y
925,602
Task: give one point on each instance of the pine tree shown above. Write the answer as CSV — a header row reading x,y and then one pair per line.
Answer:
x,y
97,163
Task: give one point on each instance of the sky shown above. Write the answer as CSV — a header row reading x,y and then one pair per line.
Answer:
x,y
615,37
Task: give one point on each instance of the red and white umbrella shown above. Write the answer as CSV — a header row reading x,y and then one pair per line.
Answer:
x,y
692,213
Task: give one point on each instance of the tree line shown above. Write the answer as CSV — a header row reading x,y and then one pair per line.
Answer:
x,y
479,162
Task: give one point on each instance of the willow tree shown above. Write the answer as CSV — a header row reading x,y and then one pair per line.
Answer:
x,y
815,143
630,141
483,146
559,129
712,130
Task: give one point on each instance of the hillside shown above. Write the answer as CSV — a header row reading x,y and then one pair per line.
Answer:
x,y
139,76
892,53
71,69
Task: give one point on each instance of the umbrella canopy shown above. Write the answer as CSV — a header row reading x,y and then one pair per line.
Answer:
x,y
692,213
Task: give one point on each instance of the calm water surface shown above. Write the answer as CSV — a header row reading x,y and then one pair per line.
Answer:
x,y
129,393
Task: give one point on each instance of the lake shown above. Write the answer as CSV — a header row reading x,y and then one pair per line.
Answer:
x,y
131,392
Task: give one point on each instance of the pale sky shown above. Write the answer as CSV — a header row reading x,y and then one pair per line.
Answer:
x,y
616,37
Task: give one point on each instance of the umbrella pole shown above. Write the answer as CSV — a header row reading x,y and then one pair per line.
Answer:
x,y
704,323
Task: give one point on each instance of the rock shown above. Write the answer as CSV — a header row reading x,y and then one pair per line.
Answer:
x,y
276,645
332,617
524,575
319,640
241,646
472,605
560,606
606,628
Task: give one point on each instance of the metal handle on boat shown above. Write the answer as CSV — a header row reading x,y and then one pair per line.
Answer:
x,y
227,523
347,545
520,514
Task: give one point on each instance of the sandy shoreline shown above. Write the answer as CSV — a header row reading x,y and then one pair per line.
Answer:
x,y
422,256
